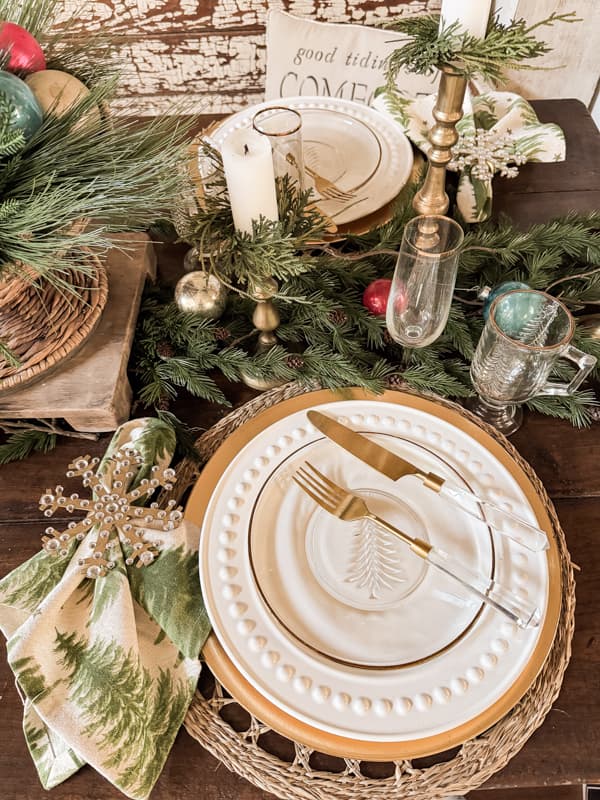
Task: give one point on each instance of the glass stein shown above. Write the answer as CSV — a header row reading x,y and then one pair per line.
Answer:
x,y
526,333
283,127
424,278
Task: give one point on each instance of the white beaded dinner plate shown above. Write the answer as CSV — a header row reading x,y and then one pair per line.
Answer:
x,y
354,146
391,654
351,591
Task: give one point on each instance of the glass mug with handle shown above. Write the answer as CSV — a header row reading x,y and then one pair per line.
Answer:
x,y
526,333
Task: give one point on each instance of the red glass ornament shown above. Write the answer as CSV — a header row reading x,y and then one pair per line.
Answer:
x,y
376,295
24,52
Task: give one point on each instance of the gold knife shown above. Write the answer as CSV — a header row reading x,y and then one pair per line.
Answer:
x,y
395,467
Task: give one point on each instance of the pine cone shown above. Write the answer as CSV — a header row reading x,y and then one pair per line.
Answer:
x,y
396,381
294,361
222,334
594,413
165,350
338,317
387,339
163,403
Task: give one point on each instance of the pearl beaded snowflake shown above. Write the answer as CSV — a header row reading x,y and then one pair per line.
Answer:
x,y
486,153
111,511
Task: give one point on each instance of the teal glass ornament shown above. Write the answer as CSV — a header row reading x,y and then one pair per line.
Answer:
x,y
515,310
488,295
27,116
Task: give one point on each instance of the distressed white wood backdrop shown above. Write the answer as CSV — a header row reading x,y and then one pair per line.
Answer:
x,y
212,52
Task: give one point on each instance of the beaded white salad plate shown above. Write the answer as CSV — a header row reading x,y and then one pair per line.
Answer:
x,y
338,624
354,146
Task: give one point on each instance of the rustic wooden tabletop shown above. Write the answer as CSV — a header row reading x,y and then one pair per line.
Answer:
x,y
565,752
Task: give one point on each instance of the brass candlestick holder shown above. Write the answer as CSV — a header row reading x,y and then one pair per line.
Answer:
x,y
432,197
266,319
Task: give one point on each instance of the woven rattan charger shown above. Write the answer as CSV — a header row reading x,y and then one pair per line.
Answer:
x,y
43,325
290,769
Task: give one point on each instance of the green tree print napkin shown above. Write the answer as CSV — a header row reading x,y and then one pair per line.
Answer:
x,y
107,667
498,130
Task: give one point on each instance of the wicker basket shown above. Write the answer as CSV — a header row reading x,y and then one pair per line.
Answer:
x,y
43,325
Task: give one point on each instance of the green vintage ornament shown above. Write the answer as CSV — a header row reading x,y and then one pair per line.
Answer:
x,y
515,310
25,112
489,294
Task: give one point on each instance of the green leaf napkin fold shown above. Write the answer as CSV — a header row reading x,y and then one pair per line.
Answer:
x,y
107,667
496,122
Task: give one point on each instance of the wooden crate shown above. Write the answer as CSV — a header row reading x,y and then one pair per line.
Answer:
x,y
91,390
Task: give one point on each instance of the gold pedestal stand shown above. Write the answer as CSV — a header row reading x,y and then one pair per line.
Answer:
x,y
266,319
432,197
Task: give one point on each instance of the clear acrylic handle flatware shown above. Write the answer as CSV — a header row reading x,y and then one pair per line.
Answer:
x,y
486,589
504,522
350,507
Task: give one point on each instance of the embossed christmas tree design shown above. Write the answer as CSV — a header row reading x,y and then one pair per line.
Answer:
x,y
535,331
113,512
373,563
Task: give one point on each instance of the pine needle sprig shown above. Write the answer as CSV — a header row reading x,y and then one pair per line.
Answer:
x,y
279,250
82,165
9,356
458,332
23,443
36,16
90,58
426,378
40,209
428,47
575,408
499,251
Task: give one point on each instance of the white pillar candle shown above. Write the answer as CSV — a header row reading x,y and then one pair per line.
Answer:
x,y
471,15
248,167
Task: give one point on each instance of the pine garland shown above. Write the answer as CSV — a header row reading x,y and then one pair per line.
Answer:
x,y
327,336
427,48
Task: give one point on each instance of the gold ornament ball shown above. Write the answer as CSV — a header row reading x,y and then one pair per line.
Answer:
x,y
57,92
201,293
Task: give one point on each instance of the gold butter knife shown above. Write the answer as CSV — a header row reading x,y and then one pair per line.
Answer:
x,y
395,467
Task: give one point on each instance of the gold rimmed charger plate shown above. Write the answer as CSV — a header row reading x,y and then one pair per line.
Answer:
x,y
335,233
385,214
283,723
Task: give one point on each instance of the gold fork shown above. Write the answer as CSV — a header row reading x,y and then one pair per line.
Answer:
x,y
326,188
349,507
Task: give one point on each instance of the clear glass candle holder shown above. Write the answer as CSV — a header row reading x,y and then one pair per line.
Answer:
x,y
283,127
424,278
525,334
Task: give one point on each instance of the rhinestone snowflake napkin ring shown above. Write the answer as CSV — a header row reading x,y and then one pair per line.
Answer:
x,y
112,512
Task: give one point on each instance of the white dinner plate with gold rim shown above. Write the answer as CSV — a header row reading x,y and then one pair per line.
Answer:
x,y
354,146
466,685
349,590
